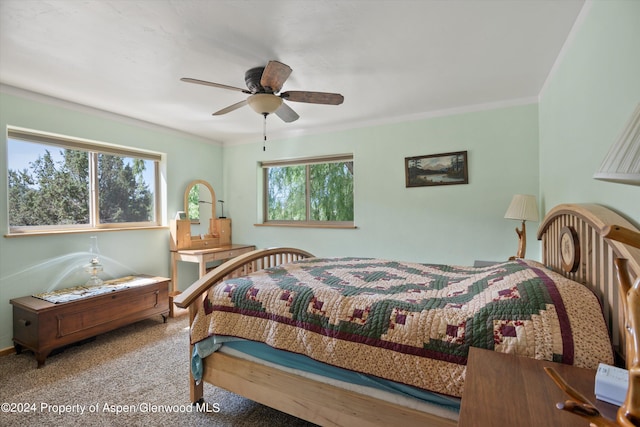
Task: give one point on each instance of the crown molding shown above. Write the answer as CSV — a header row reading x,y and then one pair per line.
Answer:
x,y
296,133
50,100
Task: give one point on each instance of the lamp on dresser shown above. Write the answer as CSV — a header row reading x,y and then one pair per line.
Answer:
x,y
523,207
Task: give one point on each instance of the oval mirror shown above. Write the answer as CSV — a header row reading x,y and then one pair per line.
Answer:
x,y
199,204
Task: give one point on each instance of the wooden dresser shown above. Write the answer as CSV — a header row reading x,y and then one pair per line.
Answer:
x,y
42,326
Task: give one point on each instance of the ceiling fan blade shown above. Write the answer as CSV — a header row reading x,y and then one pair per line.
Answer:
x,y
286,113
231,108
274,76
221,86
313,97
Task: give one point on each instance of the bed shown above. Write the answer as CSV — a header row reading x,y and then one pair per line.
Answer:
x,y
576,258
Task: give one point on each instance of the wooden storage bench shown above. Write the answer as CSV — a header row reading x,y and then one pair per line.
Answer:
x,y
42,326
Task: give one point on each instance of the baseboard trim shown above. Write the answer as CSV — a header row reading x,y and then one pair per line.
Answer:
x,y
7,351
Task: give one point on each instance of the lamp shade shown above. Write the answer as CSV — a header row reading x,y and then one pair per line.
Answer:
x,y
264,103
622,163
523,207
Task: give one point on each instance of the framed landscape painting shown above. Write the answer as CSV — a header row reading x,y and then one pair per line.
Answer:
x,y
437,169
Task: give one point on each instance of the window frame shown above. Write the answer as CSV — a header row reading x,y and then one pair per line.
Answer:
x,y
93,149
307,162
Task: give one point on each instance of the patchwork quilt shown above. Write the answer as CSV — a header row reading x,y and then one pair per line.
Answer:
x,y
408,322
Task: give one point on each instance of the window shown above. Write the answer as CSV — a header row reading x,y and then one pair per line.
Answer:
x,y
63,183
316,191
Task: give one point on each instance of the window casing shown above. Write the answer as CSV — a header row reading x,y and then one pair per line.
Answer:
x,y
309,192
59,183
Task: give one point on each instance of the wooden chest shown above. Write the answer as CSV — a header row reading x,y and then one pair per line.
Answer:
x,y
42,326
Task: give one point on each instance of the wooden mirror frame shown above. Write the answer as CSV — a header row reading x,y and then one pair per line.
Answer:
x,y
188,190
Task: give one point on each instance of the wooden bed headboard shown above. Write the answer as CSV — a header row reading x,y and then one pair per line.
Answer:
x,y
591,262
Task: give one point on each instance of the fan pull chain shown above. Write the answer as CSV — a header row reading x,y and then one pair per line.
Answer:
x,y
264,132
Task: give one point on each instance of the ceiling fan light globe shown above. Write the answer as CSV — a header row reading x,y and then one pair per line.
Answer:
x,y
264,103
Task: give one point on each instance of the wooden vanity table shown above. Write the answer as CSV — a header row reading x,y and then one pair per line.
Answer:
x,y
187,246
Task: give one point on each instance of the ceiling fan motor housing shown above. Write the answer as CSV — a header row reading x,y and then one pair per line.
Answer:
x,y
252,79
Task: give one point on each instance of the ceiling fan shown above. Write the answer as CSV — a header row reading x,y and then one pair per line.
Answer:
x,y
263,85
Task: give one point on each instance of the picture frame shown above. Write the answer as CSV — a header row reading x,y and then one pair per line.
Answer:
x,y
437,169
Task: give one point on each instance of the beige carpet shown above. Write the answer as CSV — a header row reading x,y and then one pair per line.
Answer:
x,y
141,367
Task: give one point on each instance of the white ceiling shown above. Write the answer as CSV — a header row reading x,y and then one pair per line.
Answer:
x,y
392,60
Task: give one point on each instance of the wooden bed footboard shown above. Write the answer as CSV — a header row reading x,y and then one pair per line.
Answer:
x,y
235,267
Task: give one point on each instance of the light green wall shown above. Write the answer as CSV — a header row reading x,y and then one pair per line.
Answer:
x,y
551,152
39,263
449,224
585,106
